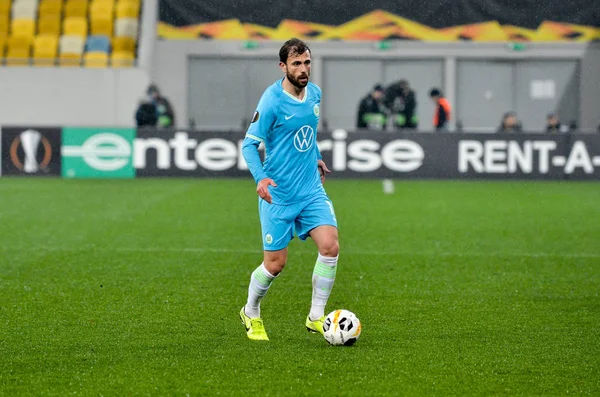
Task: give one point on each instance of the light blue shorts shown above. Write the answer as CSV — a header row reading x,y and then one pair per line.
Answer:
x,y
280,222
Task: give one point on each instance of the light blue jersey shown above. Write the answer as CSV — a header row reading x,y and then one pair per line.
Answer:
x,y
288,128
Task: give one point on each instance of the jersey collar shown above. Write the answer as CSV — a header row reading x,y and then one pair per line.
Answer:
x,y
294,98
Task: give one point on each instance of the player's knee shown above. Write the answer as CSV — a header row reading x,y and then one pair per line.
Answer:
x,y
274,267
330,247
275,264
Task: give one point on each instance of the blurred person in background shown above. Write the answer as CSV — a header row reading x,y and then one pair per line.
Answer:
x,y
573,126
402,102
371,111
164,111
145,116
553,125
510,123
443,110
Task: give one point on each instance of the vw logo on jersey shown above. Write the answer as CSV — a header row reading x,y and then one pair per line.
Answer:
x,y
304,138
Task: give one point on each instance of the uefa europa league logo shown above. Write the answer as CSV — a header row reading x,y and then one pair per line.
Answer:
x,y
30,141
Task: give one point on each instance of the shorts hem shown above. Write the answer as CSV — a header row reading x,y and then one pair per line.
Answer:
x,y
274,249
306,235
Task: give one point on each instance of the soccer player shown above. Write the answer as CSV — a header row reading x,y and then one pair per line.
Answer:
x,y
290,186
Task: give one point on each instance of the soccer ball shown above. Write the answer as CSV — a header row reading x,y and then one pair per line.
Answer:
x,y
341,328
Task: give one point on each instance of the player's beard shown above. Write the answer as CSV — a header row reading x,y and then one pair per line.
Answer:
x,y
296,81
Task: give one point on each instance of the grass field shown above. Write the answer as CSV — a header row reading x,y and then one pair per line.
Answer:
x,y
123,288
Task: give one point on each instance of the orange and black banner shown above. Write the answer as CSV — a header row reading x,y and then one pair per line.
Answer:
x,y
432,20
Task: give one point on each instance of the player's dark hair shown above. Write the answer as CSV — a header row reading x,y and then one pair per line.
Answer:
x,y
292,47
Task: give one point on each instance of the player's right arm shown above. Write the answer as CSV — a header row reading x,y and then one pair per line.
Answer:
x,y
262,121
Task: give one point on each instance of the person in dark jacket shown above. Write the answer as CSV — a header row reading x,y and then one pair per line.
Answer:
x,y
402,102
443,110
164,111
510,123
145,116
554,126
371,111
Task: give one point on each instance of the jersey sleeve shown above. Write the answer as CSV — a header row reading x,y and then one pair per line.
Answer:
x,y
252,158
263,118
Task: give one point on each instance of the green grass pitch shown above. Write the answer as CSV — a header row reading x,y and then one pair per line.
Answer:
x,y
126,288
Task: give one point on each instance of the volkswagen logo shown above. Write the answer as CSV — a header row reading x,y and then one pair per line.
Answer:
x,y
304,138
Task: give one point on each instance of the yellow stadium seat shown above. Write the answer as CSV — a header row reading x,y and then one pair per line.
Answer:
x,y
136,3
123,44
112,2
5,6
49,24
23,27
127,10
69,60
76,8
101,10
127,27
96,59
45,50
122,59
50,7
26,9
19,51
75,26
102,26
4,23
2,46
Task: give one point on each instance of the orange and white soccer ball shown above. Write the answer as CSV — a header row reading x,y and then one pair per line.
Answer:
x,y
341,328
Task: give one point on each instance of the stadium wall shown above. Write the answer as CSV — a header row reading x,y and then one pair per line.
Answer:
x,y
590,88
230,102
58,96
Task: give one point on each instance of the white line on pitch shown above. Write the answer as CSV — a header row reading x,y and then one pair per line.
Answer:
x,y
349,252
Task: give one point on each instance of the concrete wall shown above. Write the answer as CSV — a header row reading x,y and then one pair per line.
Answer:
x,y
74,97
172,60
590,88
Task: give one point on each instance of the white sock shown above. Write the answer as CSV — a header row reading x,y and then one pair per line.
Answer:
x,y
322,282
260,281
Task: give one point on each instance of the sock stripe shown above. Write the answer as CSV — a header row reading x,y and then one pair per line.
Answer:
x,y
261,277
324,274
325,270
